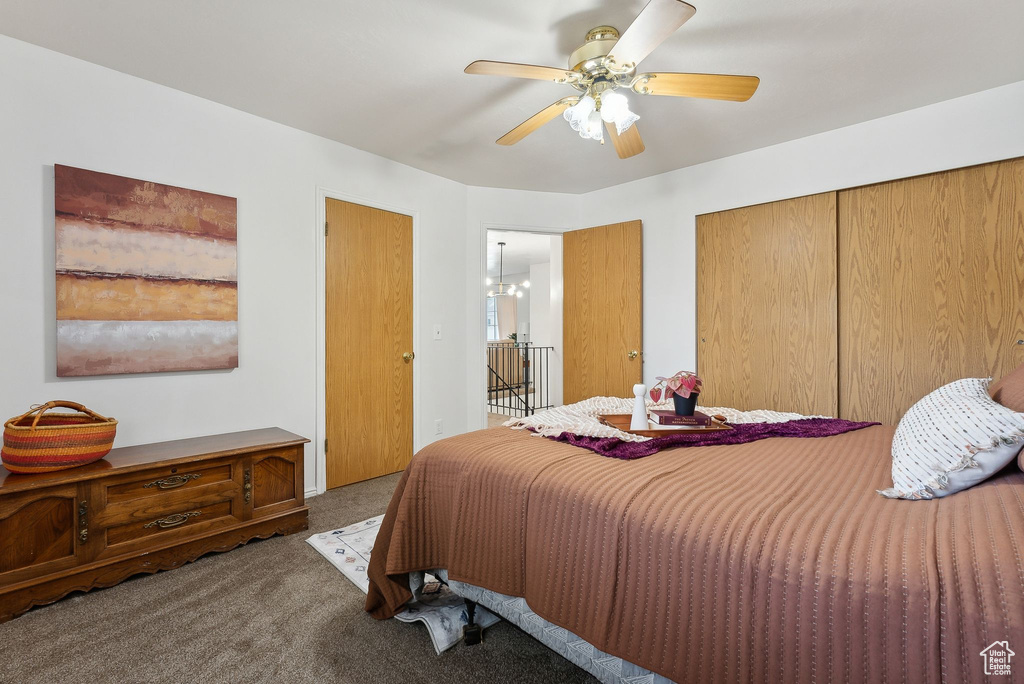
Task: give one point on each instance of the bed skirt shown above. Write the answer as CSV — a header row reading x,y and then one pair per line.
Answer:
x,y
607,668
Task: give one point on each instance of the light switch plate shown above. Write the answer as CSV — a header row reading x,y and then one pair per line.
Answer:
x,y
437,332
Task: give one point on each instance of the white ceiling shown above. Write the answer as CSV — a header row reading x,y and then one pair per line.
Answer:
x,y
522,250
386,75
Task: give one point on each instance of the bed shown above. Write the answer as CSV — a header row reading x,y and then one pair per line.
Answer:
x,y
762,562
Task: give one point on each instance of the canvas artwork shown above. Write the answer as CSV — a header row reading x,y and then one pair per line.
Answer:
x,y
146,276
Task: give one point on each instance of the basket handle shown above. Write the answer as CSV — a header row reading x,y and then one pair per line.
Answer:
x,y
43,408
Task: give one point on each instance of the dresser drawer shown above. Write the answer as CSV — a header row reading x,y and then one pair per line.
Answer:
x,y
188,520
158,481
149,508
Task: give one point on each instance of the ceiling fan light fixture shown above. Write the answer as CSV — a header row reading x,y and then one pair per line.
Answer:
x,y
607,61
595,128
613,104
579,113
625,120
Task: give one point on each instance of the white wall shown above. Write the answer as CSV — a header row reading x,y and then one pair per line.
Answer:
x,y
546,314
55,109
522,303
540,307
983,127
556,314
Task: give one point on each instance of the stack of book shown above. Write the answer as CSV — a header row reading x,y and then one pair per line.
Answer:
x,y
670,419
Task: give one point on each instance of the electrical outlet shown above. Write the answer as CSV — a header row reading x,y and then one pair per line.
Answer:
x,y
437,332
438,427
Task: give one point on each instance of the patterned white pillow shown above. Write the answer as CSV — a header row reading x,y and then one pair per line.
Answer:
x,y
952,439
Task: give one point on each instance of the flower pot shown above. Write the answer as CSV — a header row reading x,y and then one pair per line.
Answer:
x,y
685,406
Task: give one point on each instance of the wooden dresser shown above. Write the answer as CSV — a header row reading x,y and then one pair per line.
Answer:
x,y
143,509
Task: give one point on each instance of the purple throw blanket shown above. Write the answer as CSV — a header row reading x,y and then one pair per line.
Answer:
x,y
740,434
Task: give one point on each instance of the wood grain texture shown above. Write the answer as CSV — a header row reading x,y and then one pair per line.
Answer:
x,y
16,599
167,455
37,532
62,534
536,121
629,144
931,285
602,310
766,306
707,86
369,327
484,67
275,483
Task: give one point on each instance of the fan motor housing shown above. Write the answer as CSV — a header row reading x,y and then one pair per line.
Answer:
x,y
590,56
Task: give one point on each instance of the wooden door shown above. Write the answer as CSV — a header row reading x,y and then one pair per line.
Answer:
x,y
931,285
766,306
602,272
369,329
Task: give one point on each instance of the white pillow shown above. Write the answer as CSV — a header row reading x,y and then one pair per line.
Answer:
x,y
952,439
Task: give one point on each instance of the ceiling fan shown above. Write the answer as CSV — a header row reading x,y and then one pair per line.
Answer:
x,y
607,62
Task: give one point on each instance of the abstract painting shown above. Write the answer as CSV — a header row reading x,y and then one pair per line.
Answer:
x,y
146,276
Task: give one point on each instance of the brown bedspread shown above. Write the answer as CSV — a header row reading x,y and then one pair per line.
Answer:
x,y
773,561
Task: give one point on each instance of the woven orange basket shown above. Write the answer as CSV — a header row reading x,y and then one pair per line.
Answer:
x,y
37,442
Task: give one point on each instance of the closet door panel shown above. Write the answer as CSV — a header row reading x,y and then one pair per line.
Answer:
x,y
931,285
766,306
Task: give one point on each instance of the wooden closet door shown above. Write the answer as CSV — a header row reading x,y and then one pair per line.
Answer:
x,y
766,306
931,285
369,329
602,311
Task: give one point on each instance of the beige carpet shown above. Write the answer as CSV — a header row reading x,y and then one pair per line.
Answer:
x,y
270,611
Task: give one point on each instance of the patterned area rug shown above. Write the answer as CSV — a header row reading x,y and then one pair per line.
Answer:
x,y
433,604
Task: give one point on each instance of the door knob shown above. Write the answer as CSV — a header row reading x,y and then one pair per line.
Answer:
x,y
408,356
633,354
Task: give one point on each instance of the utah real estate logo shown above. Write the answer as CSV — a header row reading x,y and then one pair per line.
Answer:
x,y
997,658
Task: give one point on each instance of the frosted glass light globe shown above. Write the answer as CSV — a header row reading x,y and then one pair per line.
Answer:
x,y
578,113
613,106
626,120
595,129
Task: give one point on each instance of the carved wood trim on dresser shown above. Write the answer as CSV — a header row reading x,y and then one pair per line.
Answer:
x,y
143,509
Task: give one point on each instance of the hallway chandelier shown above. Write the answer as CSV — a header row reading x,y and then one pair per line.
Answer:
x,y
504,289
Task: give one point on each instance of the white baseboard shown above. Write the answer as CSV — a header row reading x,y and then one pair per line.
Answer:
x,y
311,492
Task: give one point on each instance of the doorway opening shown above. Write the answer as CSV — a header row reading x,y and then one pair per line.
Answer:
x,y
523,323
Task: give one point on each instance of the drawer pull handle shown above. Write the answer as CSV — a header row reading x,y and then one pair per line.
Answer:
x,y
173,520
172,481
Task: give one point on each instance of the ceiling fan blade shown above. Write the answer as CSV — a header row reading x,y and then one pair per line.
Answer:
x,y
628,144
484,67
709,86
536,121
656,22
